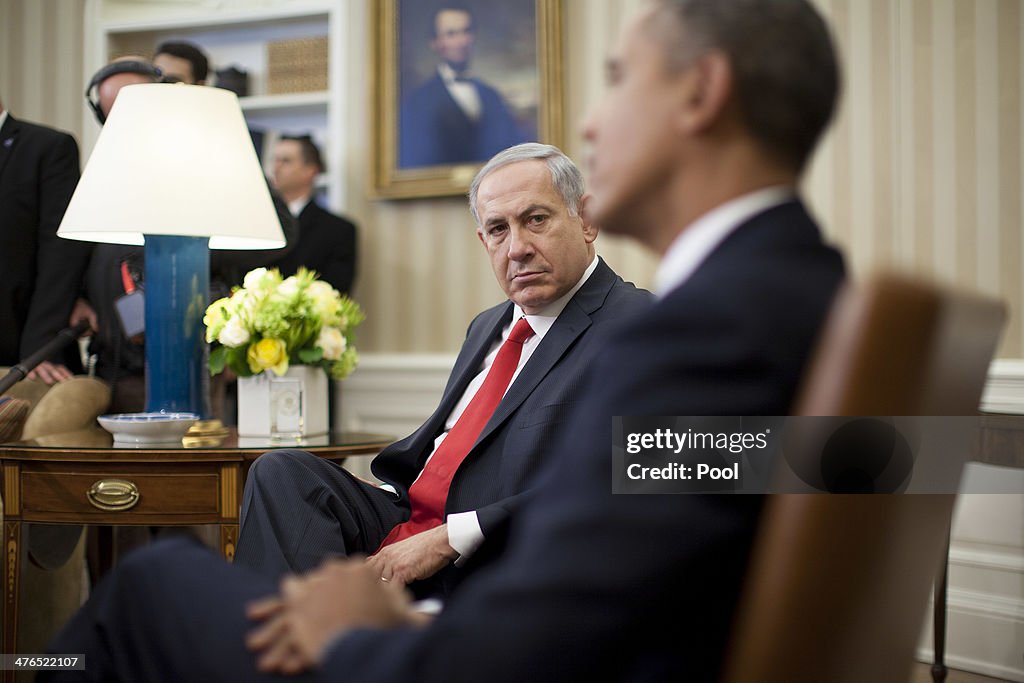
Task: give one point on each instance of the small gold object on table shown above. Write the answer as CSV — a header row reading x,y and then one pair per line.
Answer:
x,y
205,434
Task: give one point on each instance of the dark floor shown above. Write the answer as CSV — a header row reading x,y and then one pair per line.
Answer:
x,y
922,674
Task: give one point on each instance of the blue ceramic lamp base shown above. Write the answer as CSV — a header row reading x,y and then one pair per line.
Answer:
x,y
177,292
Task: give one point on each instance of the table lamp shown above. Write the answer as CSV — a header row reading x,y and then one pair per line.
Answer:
x,y
174,169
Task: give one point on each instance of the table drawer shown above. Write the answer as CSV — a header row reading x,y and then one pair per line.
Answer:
x,y
162,494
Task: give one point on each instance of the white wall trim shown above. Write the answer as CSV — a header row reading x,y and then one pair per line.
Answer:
x,y
985,630
393,393
986,605
1004,391
989,623
1004,561
405,387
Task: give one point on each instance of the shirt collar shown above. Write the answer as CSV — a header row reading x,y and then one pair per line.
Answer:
x,y
3,118
448,74
542,322
296,206
696,242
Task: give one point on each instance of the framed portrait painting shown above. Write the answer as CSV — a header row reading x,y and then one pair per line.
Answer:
x,y
455,83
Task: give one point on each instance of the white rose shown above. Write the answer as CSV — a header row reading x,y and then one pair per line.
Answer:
x,y
241,300
254,278
319,289
234,334
332,341
289,288
325,300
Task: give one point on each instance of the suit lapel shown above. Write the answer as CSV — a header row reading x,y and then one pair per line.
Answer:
x,y
468,364
8,140
571,323
569,326
308,213
454,106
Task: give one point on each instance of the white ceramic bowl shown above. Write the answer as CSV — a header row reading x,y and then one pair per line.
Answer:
x,y
139,428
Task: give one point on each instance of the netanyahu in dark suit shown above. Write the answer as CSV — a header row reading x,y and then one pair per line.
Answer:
x,y
42,273
299,508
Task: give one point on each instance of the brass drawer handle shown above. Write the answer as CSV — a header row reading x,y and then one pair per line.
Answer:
x,y
113,494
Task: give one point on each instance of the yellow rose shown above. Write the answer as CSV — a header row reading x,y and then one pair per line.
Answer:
x,y
216,316
268,354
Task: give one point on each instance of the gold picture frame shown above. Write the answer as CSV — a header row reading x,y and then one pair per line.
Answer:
x,y
405,58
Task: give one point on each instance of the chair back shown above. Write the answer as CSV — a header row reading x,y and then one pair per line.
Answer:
x,y
838,584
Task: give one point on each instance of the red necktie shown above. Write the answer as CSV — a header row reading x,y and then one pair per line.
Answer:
x,y
429,493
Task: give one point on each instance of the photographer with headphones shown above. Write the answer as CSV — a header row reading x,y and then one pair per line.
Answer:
x,y
114,276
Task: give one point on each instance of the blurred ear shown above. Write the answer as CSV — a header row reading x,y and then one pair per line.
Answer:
x,y
590,229
310,172
709,83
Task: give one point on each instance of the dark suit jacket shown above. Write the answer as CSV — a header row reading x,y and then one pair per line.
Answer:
x,y
327,244
42,273
433,129
596,586
514,443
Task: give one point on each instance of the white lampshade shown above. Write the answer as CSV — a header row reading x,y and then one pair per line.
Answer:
x,y
174,159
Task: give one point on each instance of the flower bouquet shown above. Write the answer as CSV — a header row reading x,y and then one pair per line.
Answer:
x,y
283,337
272,322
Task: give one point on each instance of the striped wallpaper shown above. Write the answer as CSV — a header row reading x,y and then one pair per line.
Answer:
x,y
922,169
39,40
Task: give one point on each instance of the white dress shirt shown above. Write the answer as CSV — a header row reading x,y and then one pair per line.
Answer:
x,y
3,118
699,239
296,206
464,532
464,92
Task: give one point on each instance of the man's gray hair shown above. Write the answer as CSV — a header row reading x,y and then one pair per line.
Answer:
x,y
784,65
565,177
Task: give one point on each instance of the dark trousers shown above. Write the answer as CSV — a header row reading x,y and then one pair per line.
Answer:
x,y
299,509
171,611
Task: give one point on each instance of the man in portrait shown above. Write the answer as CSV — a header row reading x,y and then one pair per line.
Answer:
x,y
454,117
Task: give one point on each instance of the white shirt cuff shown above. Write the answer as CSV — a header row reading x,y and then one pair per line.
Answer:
x,y
464,535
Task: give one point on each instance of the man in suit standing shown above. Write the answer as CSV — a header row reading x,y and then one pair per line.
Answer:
x,y
732,96
41,272
453,117
455,479
327,243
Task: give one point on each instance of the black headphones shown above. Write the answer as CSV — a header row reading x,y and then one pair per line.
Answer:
x,y
122,67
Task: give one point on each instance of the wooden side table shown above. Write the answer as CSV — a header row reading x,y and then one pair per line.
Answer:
x,y
84,479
